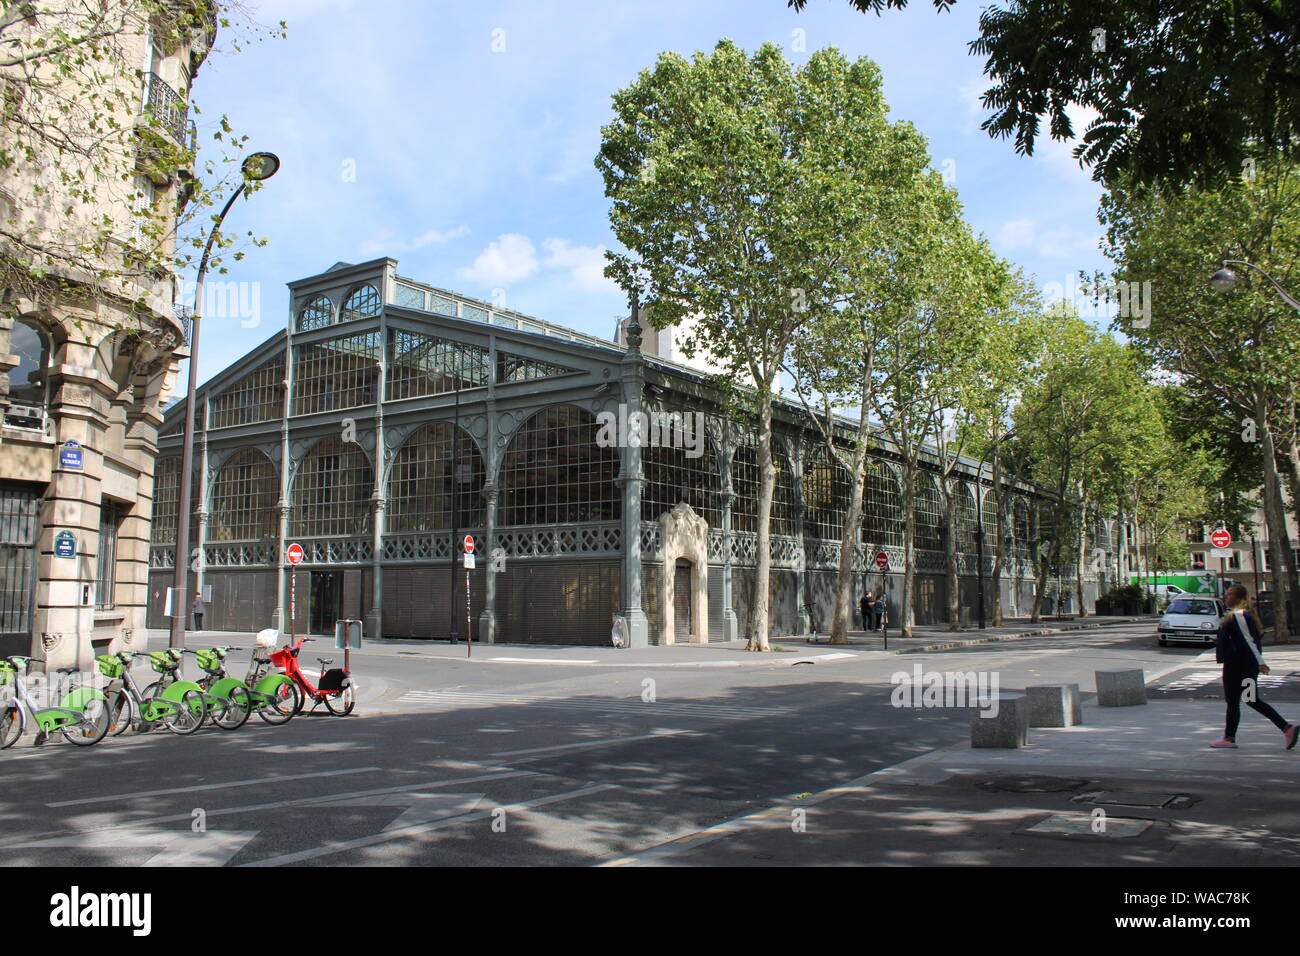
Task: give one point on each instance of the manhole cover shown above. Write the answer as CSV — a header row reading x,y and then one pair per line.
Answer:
x,y
1135,798
1030,783
1082,824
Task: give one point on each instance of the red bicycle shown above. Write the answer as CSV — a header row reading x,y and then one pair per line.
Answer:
x,y
335,690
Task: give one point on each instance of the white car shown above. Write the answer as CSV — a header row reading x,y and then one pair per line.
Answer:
x,y
1190,620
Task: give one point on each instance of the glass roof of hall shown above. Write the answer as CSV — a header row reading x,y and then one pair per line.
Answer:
x,y
417,295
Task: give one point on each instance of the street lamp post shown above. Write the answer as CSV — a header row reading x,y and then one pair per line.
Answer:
x,y
256,167
1224,279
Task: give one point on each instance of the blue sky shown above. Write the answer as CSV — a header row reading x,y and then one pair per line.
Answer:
x,y
459,139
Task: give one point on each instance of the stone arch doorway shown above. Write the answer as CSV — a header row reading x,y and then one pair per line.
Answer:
x,y
685,537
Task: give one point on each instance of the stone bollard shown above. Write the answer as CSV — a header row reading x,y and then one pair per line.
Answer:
x,y
1121,688
1008,728
1054,705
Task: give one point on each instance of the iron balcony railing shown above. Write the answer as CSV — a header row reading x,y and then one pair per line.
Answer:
x,y
168,107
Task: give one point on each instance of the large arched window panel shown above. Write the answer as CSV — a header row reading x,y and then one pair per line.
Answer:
x,y
554,471
362,303
929,514
166,492
436,482
745,483
967,519
1020,527
244,498
672,476
992,533
316,314
331,492
827,488
882,507
29,381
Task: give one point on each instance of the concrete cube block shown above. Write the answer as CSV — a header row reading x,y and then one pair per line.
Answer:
x,y
1121,688
1054,705
1006,725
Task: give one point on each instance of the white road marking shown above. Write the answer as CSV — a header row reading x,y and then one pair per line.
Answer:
x,y
1201,678
178,847
423,828
595,743
539,660
212,786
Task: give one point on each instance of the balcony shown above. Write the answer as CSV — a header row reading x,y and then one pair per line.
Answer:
x,y
169,109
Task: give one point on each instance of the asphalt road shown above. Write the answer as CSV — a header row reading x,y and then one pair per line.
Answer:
x,y
510,764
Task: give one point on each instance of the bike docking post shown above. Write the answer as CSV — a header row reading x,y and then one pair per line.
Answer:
x,y
347,637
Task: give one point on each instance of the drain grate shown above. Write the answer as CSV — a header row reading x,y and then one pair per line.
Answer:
x,y
1030,783
1081,824
1136,798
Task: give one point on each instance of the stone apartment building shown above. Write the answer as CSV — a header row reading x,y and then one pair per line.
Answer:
x,y
84,372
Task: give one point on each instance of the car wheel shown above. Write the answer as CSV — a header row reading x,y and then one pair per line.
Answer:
x,y
1163,642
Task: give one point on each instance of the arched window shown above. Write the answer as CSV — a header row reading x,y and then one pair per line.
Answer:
x,y
672,475
929,514
244,498
826,490
744,482
166,492
363,303
29,381
992,534
967,523
316,314
1020,527
554,471
331,493
882,507
420,486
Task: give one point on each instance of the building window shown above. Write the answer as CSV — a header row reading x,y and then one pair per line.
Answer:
x,y
409,296
258,397
316,314
1234,561
421,489
1196,535
1020,529
363,303
745,481
882,507
110,518
336,374
244,498
1198,561
966,520
826,491
424,365
929,514
672,476
516,368
29,380
555,472
331,492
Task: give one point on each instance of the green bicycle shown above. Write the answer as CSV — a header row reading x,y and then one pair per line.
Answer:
x,y
228,703
82,715
181,707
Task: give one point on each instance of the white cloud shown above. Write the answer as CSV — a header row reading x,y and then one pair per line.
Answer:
x,y
386,245
434,236
1016,234
586,264
508,258
1059,242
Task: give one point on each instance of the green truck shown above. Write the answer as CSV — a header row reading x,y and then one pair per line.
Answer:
x,y
1166,584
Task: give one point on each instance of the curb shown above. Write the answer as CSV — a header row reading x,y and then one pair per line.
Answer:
x,y
1041,632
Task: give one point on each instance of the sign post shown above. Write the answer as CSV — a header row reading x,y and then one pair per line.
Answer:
x,y
1221,539
882,564
469,564
294,555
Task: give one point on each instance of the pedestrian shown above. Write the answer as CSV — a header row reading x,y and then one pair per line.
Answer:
x,y
882,611
199,608
1237,646
868,603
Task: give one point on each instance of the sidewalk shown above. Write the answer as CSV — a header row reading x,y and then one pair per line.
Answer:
x,y
718,654
1132,786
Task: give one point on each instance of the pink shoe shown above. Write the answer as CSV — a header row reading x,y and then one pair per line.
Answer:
x,y
1225,744
1291,733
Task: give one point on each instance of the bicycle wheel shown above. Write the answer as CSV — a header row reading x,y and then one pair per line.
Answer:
x,y
191,710
284,702
93,726
11,726
121,710
341,704
234,709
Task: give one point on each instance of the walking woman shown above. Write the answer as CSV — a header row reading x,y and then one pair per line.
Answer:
x,y
1238,649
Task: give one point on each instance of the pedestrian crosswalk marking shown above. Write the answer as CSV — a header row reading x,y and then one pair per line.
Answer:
x,y
1201,678
607,706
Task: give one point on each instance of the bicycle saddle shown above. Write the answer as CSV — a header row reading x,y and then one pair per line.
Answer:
x,y
325,661
68,670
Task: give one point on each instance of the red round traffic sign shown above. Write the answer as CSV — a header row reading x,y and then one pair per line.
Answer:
x,y
1221,538
295,554
882,560
469,544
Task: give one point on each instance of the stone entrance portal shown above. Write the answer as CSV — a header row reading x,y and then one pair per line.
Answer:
x,y
685,537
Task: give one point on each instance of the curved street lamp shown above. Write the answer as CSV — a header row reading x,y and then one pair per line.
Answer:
x,y
1225,279
256,168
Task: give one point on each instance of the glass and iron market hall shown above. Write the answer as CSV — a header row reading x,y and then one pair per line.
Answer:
x,y
390,418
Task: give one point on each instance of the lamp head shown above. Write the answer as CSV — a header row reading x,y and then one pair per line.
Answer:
x,y
1224,279
260,166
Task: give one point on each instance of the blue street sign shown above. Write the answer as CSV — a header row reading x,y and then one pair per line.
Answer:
x,y
65,545
70,455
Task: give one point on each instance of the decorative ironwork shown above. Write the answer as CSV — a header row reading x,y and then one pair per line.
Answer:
x,y
167,107
562,540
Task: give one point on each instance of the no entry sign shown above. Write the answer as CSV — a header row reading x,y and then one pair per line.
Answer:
x,y
1221,538
294,554
882,560
469,544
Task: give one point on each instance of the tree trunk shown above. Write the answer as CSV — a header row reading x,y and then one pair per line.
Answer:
x,y
844,577
954,581
1082,558
1291,470
905,615
999,538
758,621
1275,518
